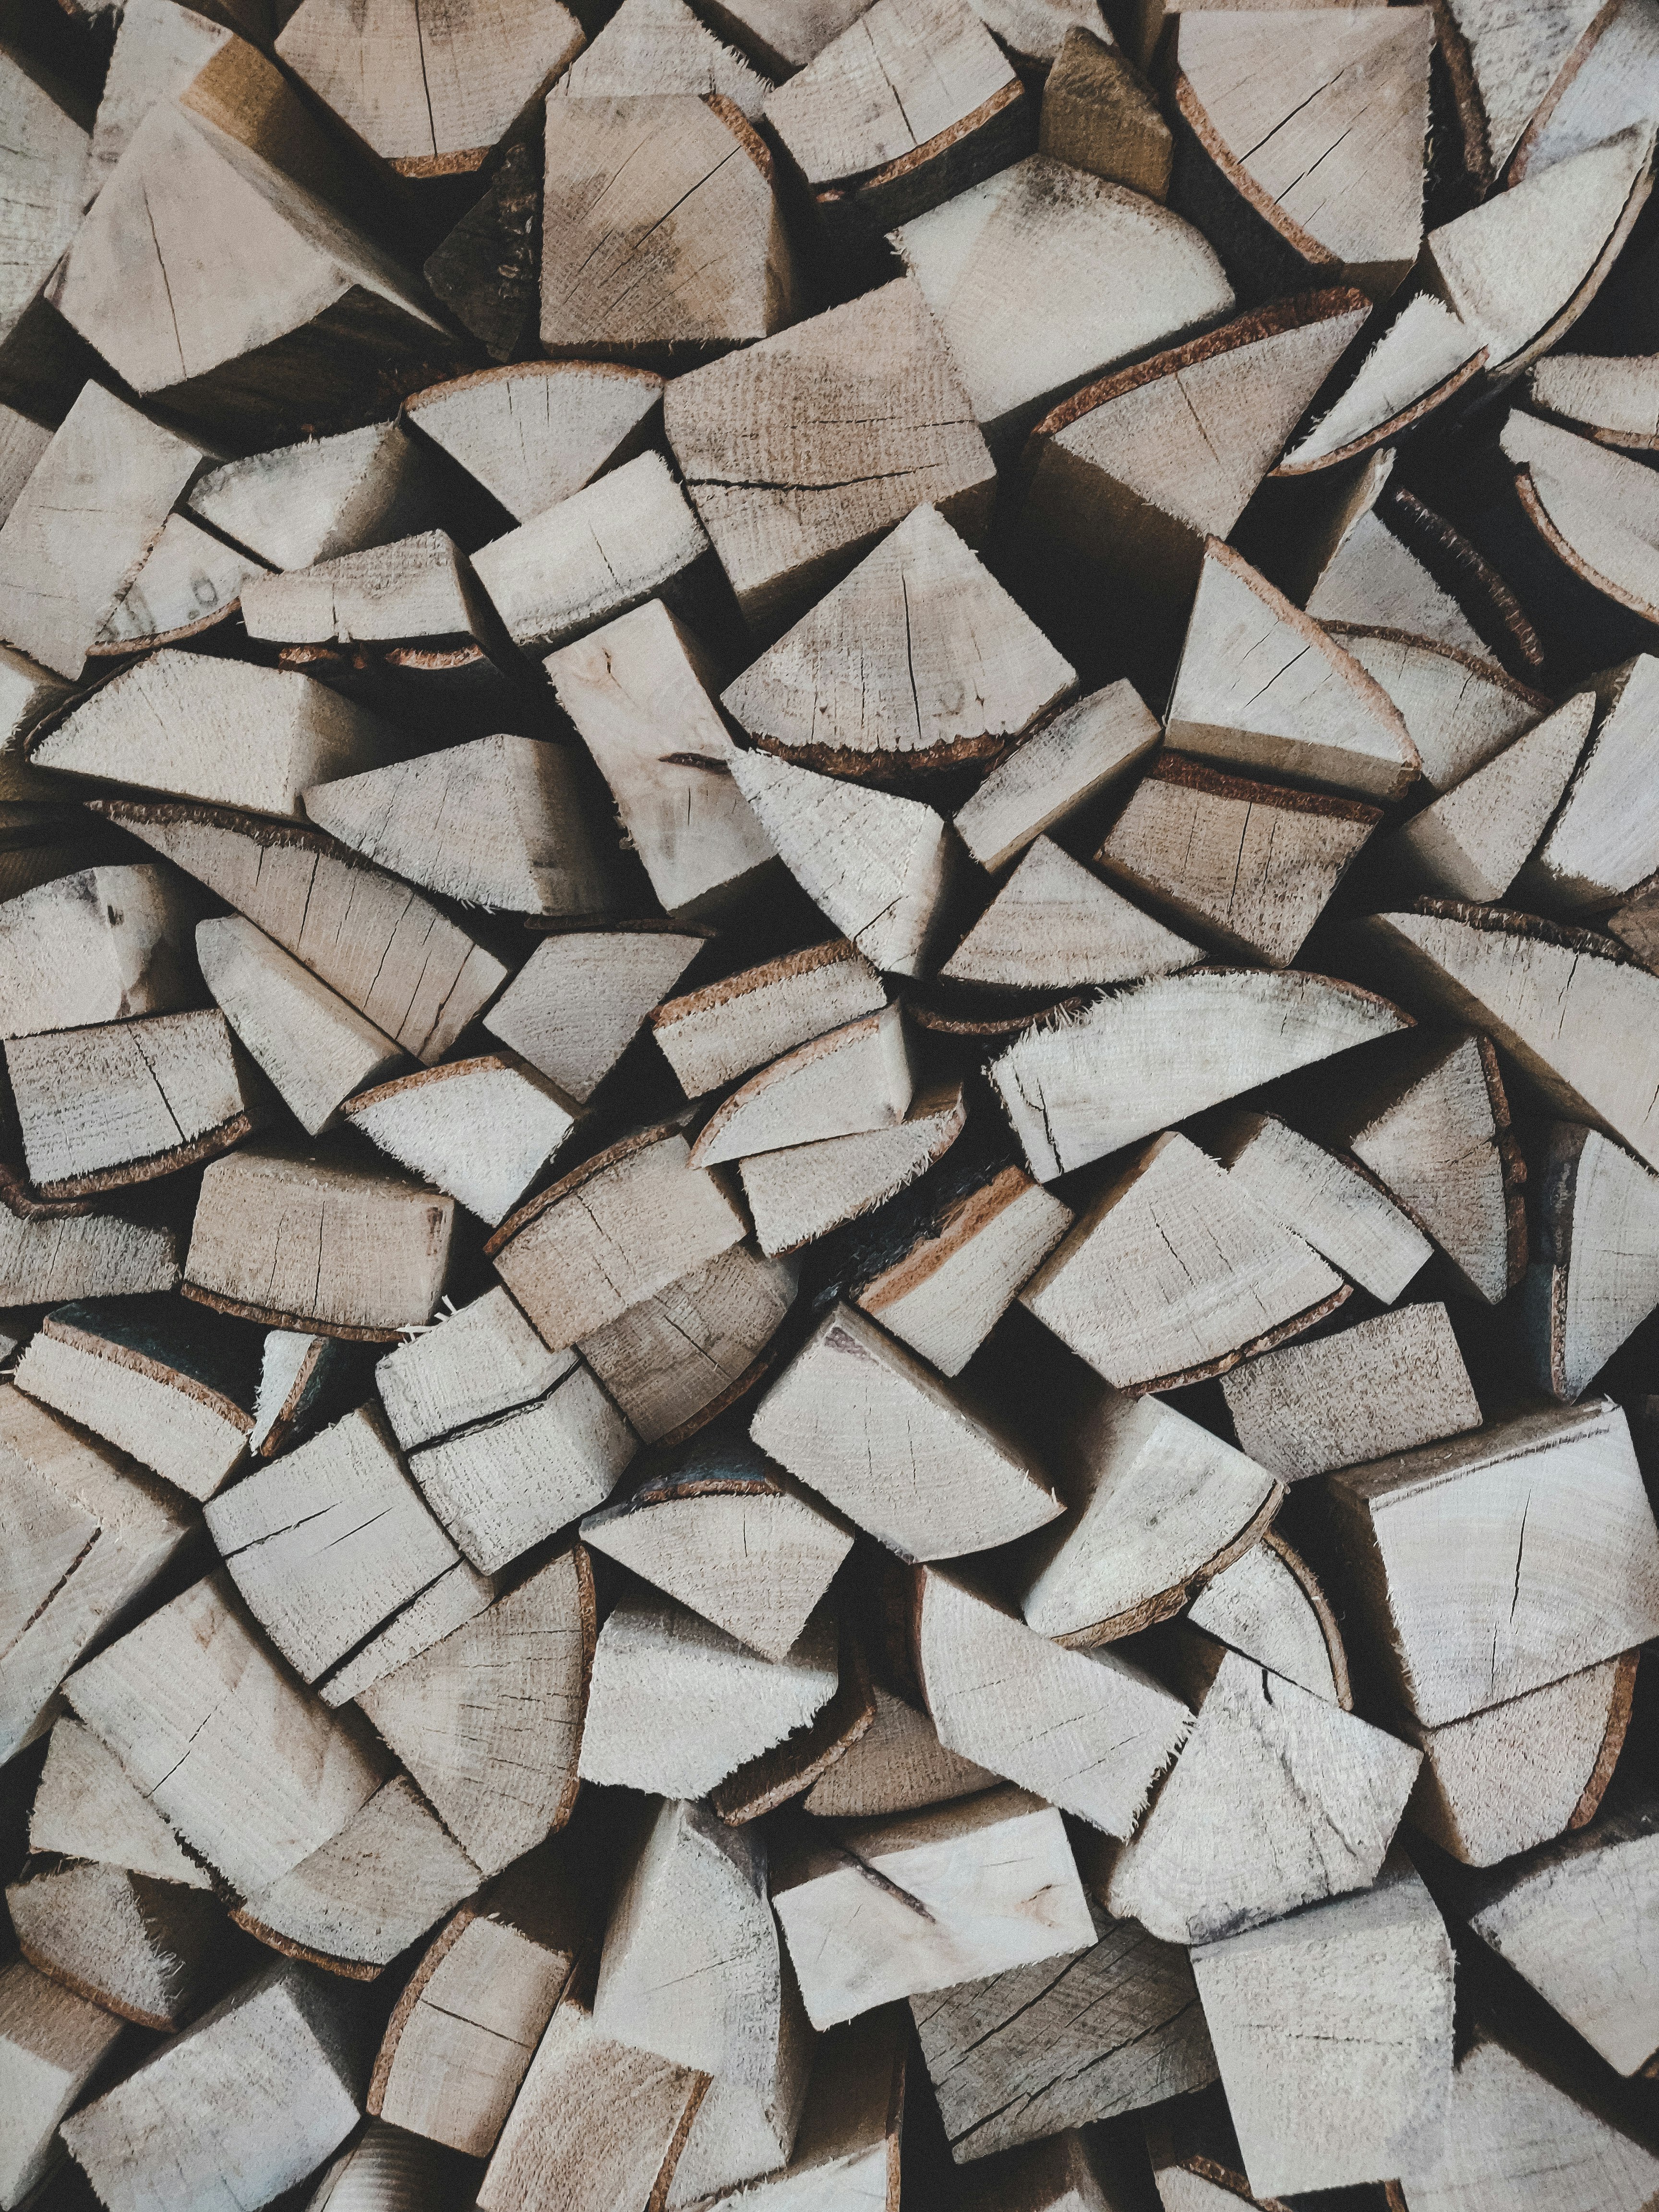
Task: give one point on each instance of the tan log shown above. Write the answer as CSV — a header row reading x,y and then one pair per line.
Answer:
x,y
1471,843
1268,1605
100,945
1099,114
52,2044
86,1807
484,1129
1327,1198
534,433
897,1766
804,1191
661,46
582,997
1424,357
299,504
1460,707
142,1949
1054,925
1084,750
711,1036
1596,1275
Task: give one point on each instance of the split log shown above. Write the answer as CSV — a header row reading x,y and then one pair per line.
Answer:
x,y
22,443
52,2044
387,951
710,1037
1017,2055
86,1807
628,1222
483,1130
1053,926
656,1665
801,451
1601,89
639,692
534,433
45,1262
1085,1729
189,582
489,1721
1387,1385
1614,399
507,1441
805,1191
463,2033
416,589
144,1950
1101,273
1268,1606
622,540
583,996
1249,864
266,1211
886,1909
313,501
158,56
661,46
1595,1278
484,271
286,2042
223,730
783,35
90,1534
1604,840
1501,69
28,694
1431,1122
896,1765
170,1382
1099,114
854,1079
1424,357
1327,1198
1087,749
790,1768
1502,1780
1460,710
459,1595
1175,1273
1333,2030
863,1422
880,866
101,946
383,2167
48,142
866,684
1473,842
1465,1598
1587,523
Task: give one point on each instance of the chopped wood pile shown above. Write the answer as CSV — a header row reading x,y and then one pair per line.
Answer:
x,y
828,1106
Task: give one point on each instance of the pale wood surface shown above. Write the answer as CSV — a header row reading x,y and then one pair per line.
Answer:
x,y
1325,1198
897,1766
416,588
582,997
142,1949
1083,751
534,433
1471,842
1614,397
100,945
805,1191
1419,361
484,1129
383,2170
459,1595
1602,88
661,46
1099,114
1503,65
1592,508
189,581
479,1361
1595,1277
300,504
1461,709
51,2043
850,1079
1268,1606
1053,926
1603,842
86,1807
711,1036
45,1261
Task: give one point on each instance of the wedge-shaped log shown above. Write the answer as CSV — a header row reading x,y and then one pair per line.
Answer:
x,y
854,1408
856,1077
1269,1606
1584,517
805,1191
142,1949
783,37
28,693
100,945
661,46
87,1256
312,501
1099,114
682,1356
848,2147
417,590
1471,842
1596,1275
582,997
1427,354
711,1036
306,1381
1610,398
894,1908
52,2043
483,1129
897,1766
1054,926
1501,69
536,432
46,185
1362,565
189,582
1605,839
1329,1201
1083,751
789,1769
86,1807
1459,709
266,1211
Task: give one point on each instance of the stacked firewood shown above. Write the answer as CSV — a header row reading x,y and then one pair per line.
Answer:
x,y
830,1139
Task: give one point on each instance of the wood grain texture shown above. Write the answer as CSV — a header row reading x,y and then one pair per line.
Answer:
x,y
1595,1277
582,997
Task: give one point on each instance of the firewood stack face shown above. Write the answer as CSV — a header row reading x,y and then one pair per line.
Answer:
x,y
828,1106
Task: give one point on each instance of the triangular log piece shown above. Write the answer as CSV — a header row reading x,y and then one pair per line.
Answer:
x,y
1355,568
1596,1275
489,1721
328,1542
854,1408
789,1770
1601,87
801,451
804,1191
316,1048
1593,508
710,1037
86,1807
1318,126
1612,399
1262,686
52,2043
662,237
655,1663
326,496
28,693
384,949
417,590
253,1772
913,100
1493,1563
879,866
188,583
885,1908
159,55
583,996
90,1532
335,327
868,684
536,432
1521,269
1459,709
1576,1013
897,1766
1502,66
22,442
384,2166
1250,866
431,98
1471,843
609,2122
621,540
1327,1198
483,1130
459,1595
463,2033
475,1365
123,1103
1429,1118
959,1269
727,1534
1386,1385
661,46
170,1382
638,692
1175,1273
851,1079
623,1227
1080,274
1424,357
99,946
686,1353
290,2045
1502,1780
485,270
1054,925
266,1211
1017,2055
1134,472
1279,1799
1099,114
1286,2006
784,35
848,2148
363,1897
1157,1507
1604,840
223,730
1268,1606
1085,1731
46,185
46,1260
1086,748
